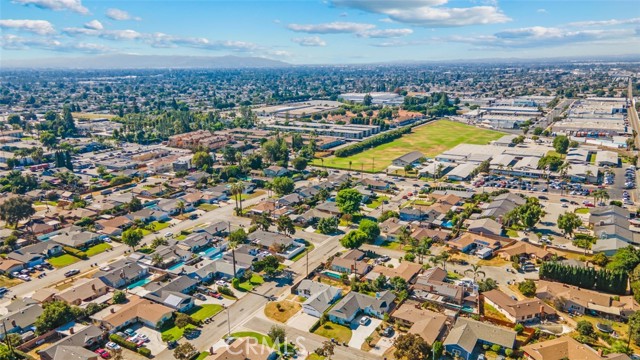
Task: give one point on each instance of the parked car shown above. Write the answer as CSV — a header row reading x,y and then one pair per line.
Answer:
x,y
72,272
130,332
365,320
113,346
200,297
103,353
168,235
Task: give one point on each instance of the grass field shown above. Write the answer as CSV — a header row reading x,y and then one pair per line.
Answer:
x,y
205,311
431,140
251,283
334,331
286,310
90,116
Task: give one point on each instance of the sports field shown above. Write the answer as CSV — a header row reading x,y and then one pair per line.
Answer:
x,y
430,139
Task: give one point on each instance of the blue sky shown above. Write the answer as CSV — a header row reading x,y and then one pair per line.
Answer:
x,y
321,32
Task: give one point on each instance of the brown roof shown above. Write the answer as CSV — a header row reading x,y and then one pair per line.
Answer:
x,y
522,247
421,233
6,264
242,349
140,308
426,324
406,270
518,309
82,289
42,295
565,347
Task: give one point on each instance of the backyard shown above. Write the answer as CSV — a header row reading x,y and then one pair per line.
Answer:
x,y
430,139
334,331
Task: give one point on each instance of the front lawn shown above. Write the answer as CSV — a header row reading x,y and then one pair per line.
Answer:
x,y
176,332
377,202
251,283
392,245
97,249
306,250
207,207
157,225
281,311
261,338
334,331
203,355
7,282
205,311
315,356
63,260
512,233
582,210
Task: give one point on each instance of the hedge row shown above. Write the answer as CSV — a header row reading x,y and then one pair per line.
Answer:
x,y
75,252
123,342
383,138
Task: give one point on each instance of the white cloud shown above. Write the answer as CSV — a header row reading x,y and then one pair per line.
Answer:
x,y
120,15
72,5
539,36
94,25
541,11
310,41
386,33
331,28
611,22
13,42
41,27
105,34
428,13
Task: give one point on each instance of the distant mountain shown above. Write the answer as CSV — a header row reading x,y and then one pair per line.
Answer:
x,y
126,61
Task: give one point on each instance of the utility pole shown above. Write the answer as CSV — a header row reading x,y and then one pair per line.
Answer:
x,y
307,256
7,340
228,321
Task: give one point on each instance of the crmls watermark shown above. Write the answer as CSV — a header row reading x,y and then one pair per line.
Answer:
x,y
252,346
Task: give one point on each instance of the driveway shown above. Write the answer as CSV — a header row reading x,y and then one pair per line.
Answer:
x,y
155,343
384,344
302,321
359,332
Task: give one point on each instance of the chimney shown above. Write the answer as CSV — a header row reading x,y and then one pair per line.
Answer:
x,y
113,311
93,287
71,331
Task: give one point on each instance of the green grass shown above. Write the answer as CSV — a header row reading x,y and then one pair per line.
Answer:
x,y
315,356
207,207
392,245
63,260
181,237
6,282
582,211
453,276
205,311
262,339
251,283
157,225
202,355
252,195
512,233
377,202
175,332
97,249
431,139
334,331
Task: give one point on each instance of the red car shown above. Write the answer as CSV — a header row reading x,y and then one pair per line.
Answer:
x,y
103,353
140,343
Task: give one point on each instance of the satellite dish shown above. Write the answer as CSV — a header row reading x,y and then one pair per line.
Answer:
x,y
603,235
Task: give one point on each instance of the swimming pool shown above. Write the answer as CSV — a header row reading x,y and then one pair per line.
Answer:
x,y
141,282
448,224
175,266
332,274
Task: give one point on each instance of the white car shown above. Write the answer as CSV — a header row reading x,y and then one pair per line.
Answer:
x,y
113,346
168,235
364,320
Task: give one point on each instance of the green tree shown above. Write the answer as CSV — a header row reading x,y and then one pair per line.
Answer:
x,y
437,349
568,222
235,239
263,221
285,225
328,225
282,185
119,297
132,237
299,163
370,228
277,334
16,209
561,144
411,347
48,140
54,315
584,328
527,288
134,205
202,159
354,239
348,200
475,270
184,351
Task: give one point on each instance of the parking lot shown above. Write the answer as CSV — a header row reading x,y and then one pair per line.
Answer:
x,y
155,343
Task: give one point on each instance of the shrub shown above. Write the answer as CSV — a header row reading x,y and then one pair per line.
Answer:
x,y
496,348
519,328
508,352
123,342
144,352
75,252
225,290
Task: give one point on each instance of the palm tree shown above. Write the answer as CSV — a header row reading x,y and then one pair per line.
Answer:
x,y
234,191
156,259
350,162
180,206
588,174
475,270
233,245
240,186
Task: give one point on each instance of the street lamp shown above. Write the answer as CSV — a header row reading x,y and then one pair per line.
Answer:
x,y
228,321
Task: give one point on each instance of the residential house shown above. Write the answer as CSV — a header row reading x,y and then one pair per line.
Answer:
x,y
566,347
501,205
518,311
8,266
405,270
353,304
485,226
433,285
290,200
82,291
412,159
123,272
114,226
319,296
329,207
275,171
170,254
483,245
173,206
427,324
75,346
276,243
76,237
220,228
310,217
148,215
349,266
21,316
174,293
198,241
434,234
208,270
412,214
375,184
36,254
576,300
526,250
136,309
466,334
392,228
265,207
